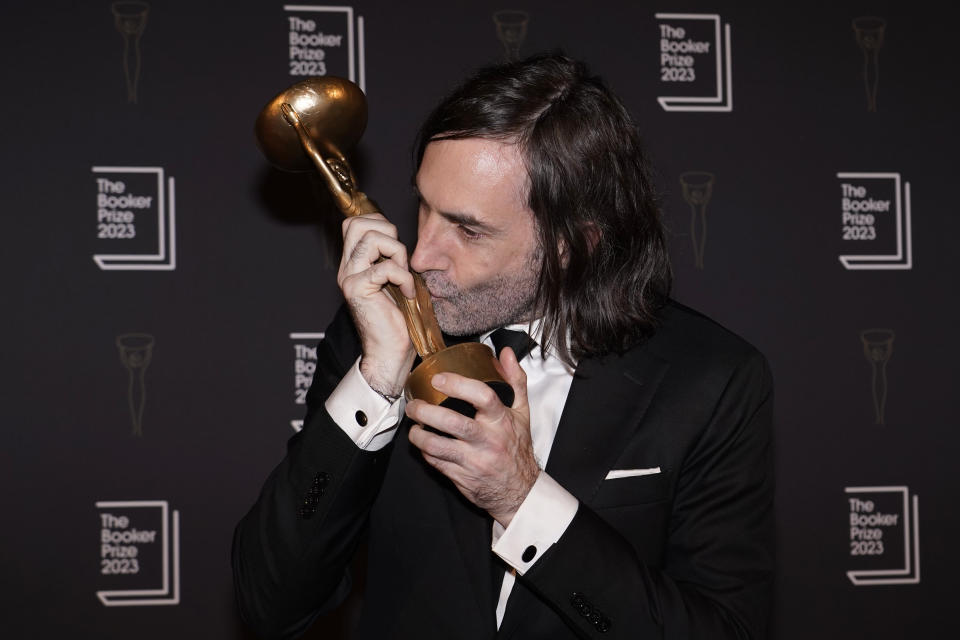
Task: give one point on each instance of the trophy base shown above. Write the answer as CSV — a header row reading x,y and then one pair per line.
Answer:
x,y
468,359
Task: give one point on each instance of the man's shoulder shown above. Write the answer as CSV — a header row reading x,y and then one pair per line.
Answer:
x,y
685,336
701,358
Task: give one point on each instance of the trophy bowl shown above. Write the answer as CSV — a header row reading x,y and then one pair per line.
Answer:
x,y
469,359
333,112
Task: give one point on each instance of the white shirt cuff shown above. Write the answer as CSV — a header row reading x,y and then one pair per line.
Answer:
x,y
363,414
539,522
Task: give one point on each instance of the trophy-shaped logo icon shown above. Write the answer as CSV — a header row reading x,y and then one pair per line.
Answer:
x,y
512,31
697,189
868,31
136,350
130,19
878,347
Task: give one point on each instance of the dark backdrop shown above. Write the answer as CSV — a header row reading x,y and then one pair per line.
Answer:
x,y
150,389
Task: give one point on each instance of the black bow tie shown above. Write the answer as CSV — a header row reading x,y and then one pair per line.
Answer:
x,y
519,341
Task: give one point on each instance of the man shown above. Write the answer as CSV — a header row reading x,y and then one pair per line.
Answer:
x,y
626,492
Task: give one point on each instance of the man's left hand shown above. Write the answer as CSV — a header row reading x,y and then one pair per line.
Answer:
x,y
490,457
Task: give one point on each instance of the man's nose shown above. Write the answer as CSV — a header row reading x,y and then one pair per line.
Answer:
x,y
427,255
421,259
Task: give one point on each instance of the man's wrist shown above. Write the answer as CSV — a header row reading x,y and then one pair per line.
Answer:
x,y
536,526
365,416
389,398
506,516
388,385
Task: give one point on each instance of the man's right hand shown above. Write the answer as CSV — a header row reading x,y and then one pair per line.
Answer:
x,y
388,353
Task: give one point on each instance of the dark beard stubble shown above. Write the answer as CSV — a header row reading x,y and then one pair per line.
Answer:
x,y
507,299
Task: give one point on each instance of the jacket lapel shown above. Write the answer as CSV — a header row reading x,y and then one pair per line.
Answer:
x,y
604,408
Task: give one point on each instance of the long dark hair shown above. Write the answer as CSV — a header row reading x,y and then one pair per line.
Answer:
x,y
590,192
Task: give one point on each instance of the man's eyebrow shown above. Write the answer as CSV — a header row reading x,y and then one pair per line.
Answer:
x,y
465,219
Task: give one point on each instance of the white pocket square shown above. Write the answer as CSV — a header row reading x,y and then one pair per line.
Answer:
x,y
629,473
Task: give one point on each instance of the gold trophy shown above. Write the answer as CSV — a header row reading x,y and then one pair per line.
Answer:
x,y
312,125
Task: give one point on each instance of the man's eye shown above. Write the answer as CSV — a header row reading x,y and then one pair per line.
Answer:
x,y
469,233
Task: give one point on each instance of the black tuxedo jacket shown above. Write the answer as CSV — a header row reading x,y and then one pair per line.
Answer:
x,y
684,553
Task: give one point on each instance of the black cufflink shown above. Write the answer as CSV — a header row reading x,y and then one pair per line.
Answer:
x,y
529,553
361,418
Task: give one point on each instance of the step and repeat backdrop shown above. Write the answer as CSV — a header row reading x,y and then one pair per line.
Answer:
x,y
164,288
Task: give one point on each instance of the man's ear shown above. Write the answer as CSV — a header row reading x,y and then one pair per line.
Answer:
x,y
591,235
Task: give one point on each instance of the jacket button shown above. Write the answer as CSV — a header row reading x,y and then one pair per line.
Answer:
x,y
361,418
305,513
529,553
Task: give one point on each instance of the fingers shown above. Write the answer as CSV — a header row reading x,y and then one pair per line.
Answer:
x,y
353,227
477,393
445,420
437,448
490,457
372,279
370,246
515,377
368,241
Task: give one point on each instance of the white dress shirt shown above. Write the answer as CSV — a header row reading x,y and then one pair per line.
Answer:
x,y
547,510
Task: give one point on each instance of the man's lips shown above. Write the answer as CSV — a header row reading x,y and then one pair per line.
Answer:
x,y
434,296
430,288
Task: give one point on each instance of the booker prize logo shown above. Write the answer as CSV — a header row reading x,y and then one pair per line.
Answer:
x,y
696,69
875,221
325,40
304,365
130,19
136,221
884,536
139,553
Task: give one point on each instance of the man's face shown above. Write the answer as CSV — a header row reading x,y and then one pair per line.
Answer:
x,y
477,245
